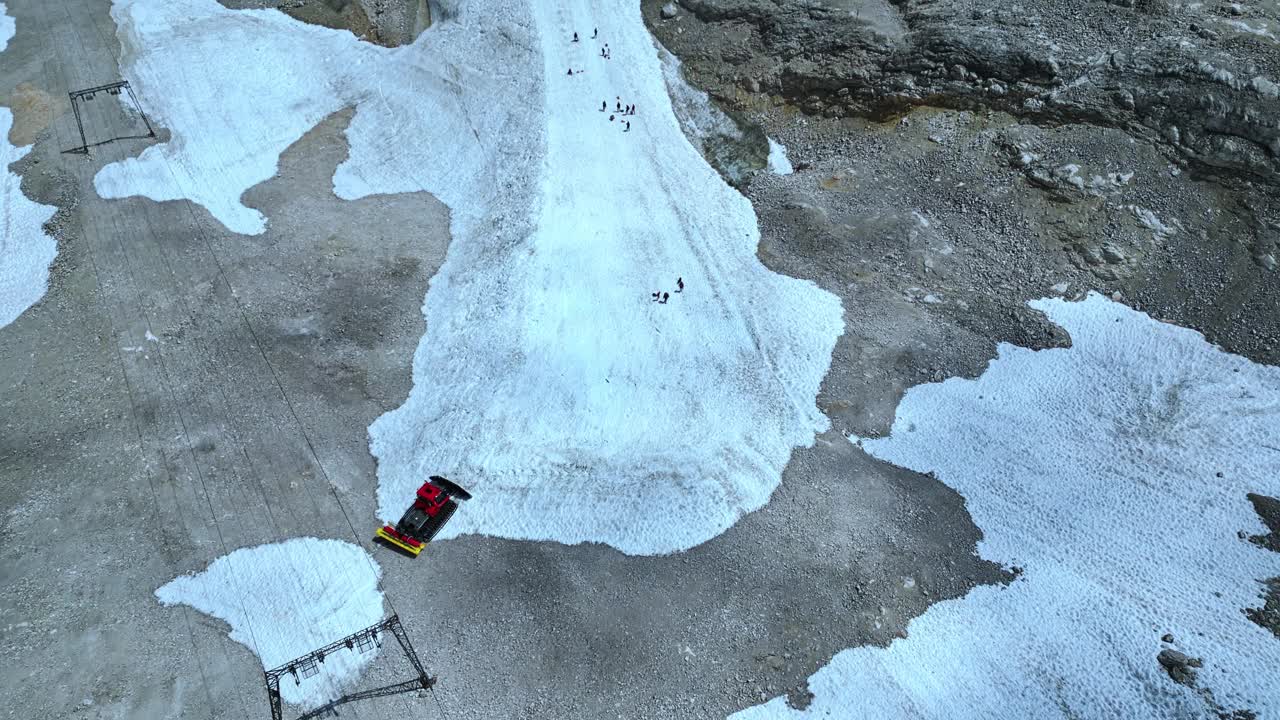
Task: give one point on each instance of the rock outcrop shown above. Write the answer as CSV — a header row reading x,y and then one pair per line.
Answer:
x,y
1202,80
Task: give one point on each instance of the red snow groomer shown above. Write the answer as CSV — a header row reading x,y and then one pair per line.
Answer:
x,y
436,502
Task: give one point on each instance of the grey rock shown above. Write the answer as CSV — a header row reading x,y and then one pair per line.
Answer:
x,y
1180,666
669,11
1112,254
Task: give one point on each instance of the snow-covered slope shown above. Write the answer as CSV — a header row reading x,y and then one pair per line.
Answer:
x,y
547,383
1114,474
286,599
25,250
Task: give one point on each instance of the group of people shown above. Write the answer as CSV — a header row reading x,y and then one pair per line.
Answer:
x,y
604,104
604,51
620,109
628,110
662,297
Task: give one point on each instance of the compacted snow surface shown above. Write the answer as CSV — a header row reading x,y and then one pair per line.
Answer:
x,y
1095,470
25,250
286,599
547,383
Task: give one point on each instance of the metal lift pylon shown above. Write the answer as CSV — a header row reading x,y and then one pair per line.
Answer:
x,y
363,641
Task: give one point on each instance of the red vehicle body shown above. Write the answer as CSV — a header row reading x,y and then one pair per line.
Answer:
x,y
435,503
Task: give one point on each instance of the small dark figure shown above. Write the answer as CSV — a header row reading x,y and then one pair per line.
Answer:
x,y
593,33
603,106
664,298
628,127
610,118
656,296
633,109
601,52
575,37
679,284
619,107
570,71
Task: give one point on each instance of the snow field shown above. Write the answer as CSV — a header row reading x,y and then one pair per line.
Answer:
x,y
25,250
286,599
547,384
1094,469
7,27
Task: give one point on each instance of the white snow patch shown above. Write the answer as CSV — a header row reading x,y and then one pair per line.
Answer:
x,y
151,338
1149,220
1263,86
778,162
7,27
286,599
548,383
1094,469
1262,30
924,221
25,250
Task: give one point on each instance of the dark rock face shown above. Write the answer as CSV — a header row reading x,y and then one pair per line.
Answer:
x,y
1198,80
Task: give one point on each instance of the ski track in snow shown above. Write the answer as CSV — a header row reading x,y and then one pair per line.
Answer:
x,y
286,599
547,382
1094,470
25,250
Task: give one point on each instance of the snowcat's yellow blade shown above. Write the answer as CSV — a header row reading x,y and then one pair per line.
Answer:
x,y
382,533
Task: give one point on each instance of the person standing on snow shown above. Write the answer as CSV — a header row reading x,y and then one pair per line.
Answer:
x,y
628,127
679,284
593,33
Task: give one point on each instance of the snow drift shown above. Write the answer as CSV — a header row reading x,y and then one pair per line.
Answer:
x,y
286,599
1114,474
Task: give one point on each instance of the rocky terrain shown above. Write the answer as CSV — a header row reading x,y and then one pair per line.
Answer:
x,y
1053,146
385,22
